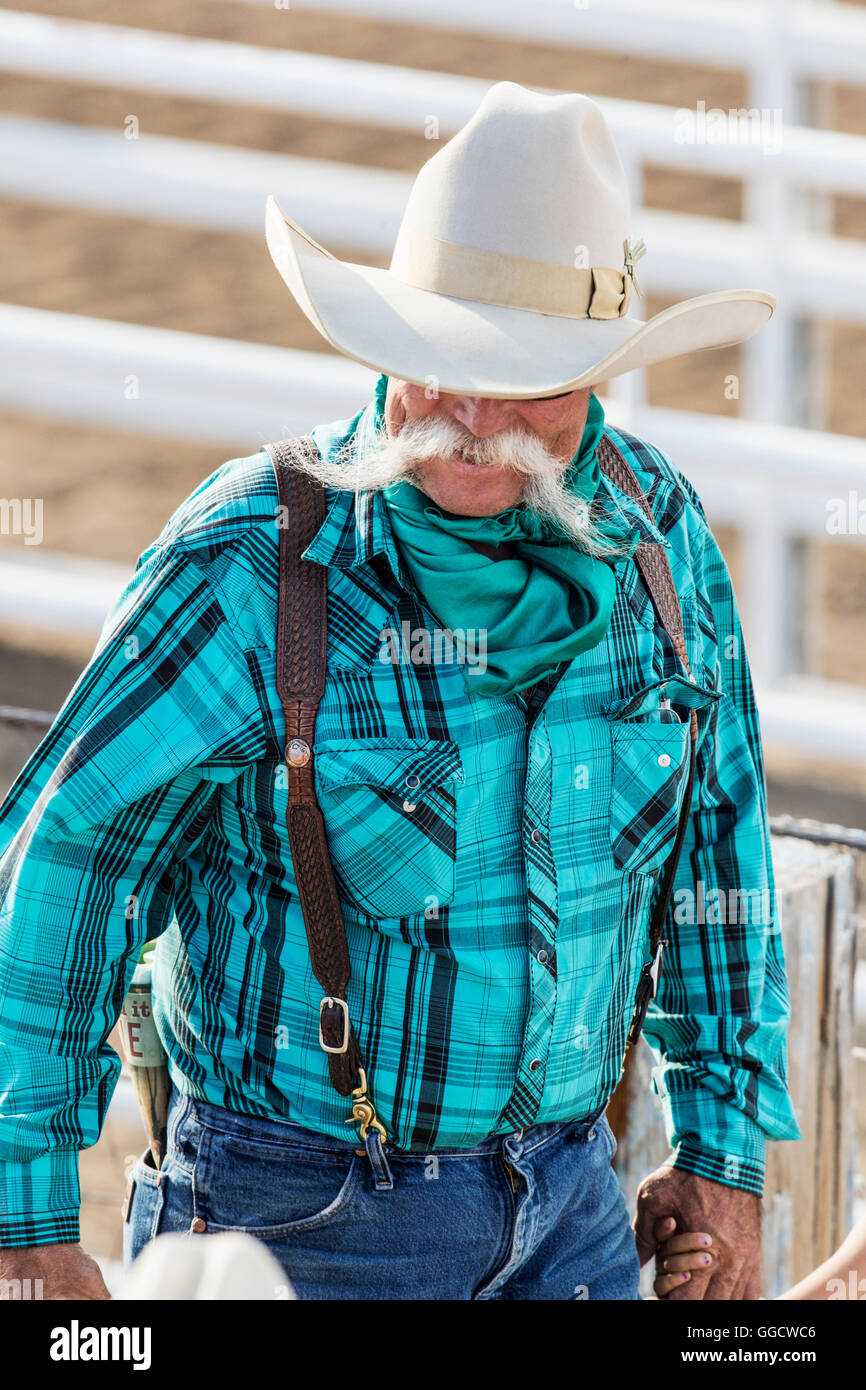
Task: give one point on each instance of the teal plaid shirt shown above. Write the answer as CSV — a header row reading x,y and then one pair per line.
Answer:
x,y
496,857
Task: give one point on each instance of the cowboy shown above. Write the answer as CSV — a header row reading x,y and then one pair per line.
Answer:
x,y
499,817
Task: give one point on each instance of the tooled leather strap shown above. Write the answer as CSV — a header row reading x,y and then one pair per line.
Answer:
x,y
651,559
655,569
650,556
302,634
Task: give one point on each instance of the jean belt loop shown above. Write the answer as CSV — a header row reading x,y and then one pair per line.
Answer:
x,y
383,1179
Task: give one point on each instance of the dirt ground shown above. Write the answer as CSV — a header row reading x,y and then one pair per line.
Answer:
x,y
107,494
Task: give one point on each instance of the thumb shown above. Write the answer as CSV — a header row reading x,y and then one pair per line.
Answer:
x,y
645,1220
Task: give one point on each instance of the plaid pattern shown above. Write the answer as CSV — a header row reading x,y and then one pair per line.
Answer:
x,y
497,858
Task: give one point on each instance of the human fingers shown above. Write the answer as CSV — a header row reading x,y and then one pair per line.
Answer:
x,y
663,1284
684,1241
691,1259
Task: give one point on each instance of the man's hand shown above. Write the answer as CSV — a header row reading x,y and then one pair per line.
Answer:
x,y
731,1216
66,1271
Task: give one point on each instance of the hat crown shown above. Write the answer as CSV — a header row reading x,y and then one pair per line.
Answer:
x,y
530,175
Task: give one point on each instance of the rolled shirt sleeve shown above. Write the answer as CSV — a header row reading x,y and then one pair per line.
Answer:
x,y
718,1025
90,837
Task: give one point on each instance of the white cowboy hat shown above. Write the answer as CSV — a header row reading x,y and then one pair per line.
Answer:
x,y
512,272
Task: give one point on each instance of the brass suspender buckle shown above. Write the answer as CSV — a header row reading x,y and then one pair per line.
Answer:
x,y
331,1003
363,1110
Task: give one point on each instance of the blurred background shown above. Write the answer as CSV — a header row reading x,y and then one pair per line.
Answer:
x,y
146,336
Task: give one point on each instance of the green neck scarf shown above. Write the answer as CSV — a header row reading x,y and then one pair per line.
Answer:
x,y
526,613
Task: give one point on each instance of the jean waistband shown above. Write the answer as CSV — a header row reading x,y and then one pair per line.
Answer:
x,y
278,1131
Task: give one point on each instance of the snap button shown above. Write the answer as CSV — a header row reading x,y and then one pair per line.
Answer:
x,y
543,957
199,1226
409,805
534,1064
297,752
664,759
413,780
535,836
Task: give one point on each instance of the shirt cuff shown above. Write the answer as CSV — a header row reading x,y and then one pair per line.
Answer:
x,y
730,1169
40,1200
714,1140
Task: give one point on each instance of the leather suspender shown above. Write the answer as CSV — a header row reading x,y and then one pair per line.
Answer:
x,y
301,665
302,634
655,570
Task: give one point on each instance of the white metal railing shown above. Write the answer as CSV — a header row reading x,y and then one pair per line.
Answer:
x,y
224,188
826,42
189,182
814,276
771,482
816,40
178,385
396,98
52,593
311,84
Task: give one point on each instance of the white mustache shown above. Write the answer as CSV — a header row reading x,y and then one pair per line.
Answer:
x,y
419,441
396,458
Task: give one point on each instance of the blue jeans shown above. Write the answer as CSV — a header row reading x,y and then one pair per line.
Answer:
x,y
535,1214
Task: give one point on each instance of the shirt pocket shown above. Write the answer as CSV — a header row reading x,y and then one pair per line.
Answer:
x,y
650,763
390,812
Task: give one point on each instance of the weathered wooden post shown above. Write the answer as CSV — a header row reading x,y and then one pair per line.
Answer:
x,y
809,1192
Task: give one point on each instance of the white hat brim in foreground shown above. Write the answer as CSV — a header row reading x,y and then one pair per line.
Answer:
x,y
464,347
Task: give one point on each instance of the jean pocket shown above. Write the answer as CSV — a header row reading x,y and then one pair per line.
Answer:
x,y
270,1189
144,1205
608,1136
390,812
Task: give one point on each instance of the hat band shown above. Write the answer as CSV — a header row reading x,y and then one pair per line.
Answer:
x,y
513,282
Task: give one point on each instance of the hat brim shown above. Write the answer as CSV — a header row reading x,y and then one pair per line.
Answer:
x,y
461,346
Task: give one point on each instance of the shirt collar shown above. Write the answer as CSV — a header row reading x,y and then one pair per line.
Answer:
x,y
357,527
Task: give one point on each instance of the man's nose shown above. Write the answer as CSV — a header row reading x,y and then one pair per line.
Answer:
x,y
480,414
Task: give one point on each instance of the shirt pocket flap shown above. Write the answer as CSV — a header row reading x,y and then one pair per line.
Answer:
x,y
389,763
390,812
646,701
